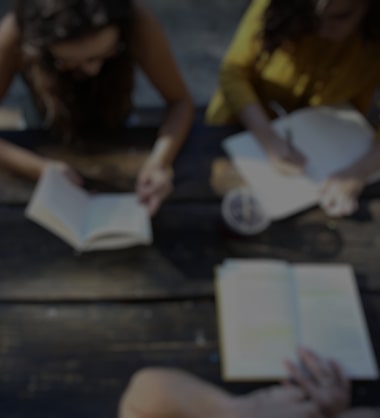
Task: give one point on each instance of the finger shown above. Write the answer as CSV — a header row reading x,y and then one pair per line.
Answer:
x,y
147,189
153,205
314,364
338,208
74,177
343,205
144,179
327,195
300,378
333,204
339,374
350,207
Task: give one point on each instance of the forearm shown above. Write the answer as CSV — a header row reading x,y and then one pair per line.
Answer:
x,y
172,133
20,160
368,165
255,120
173,393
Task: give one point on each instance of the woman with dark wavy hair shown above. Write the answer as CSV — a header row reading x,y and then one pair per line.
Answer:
x,y
78,58
303,53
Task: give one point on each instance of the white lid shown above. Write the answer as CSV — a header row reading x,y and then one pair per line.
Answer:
x,y
243,213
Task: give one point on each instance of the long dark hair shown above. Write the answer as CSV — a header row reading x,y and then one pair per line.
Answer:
x,y
72,108
293,19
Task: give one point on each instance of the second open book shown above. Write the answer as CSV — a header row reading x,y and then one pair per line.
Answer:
x,y
268,308
331,138
88,221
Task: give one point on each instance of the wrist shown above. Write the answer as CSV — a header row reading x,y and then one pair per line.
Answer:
x,y
162,154
153,165
36,169
269,142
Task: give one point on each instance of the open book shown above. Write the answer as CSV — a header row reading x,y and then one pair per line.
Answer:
x,y
88,222
331,139
268,308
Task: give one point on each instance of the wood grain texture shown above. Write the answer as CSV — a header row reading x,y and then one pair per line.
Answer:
x,y
74,328
81,356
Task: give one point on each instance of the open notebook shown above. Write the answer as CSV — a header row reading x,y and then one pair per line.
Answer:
x,y
330,138
85,221
268,308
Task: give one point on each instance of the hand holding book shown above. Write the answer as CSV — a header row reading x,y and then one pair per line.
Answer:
x,y
323,381
154,184
88,221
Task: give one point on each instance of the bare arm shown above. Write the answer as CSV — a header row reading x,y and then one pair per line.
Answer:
x,y
154,182
13,157
157,62
237,84
163,393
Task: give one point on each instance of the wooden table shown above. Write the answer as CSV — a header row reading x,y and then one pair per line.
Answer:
x,y
73,329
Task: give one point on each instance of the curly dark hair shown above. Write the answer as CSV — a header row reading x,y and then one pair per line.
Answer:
x,y
293,19
77,108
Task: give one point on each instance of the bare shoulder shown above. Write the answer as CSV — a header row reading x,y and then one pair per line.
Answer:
x,y
10,45
139,6
9,31
143,15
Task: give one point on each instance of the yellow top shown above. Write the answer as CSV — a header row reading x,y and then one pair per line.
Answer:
x,y
310,72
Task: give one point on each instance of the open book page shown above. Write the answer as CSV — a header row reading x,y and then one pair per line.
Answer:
x,y
330,138
116,220
256,315
59,205
331,317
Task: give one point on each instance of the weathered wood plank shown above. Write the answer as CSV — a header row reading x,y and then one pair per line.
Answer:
x,y
35,265
190,239
86,353
56,359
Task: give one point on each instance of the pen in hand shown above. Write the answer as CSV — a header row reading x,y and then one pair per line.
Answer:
x,y
288,159
281,112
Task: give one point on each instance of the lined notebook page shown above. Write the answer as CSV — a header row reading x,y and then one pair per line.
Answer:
x,y
268,308
332,319
255,320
